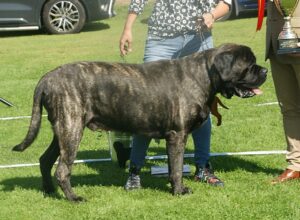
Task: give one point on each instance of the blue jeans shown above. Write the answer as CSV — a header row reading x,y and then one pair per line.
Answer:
x,y
173,48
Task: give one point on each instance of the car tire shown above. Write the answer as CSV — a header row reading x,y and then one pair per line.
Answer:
x,y
63,16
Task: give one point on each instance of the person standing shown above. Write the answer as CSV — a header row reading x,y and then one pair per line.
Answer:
x,y
176,28
286,76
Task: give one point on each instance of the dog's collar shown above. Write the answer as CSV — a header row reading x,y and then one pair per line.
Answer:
x,y
215,81
214,77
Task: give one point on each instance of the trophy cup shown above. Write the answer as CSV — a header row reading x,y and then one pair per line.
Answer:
x,y
287,38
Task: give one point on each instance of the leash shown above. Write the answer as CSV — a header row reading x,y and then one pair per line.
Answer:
x,y
9,104
214,101
123,59
200,29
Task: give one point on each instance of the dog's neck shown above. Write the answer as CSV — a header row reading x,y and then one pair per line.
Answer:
x,y
214,77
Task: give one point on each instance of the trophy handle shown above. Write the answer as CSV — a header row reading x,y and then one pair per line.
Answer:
x,y
279,7
281,10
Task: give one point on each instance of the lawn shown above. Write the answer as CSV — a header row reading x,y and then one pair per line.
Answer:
x,y
249,125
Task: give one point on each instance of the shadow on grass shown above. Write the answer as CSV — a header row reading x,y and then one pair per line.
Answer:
x,y
22,33
96,26
232,163
109,174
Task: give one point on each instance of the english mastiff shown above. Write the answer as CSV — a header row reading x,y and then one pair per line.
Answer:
x,y
163,99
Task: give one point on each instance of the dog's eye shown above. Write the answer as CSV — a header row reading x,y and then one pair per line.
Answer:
x,y
244,73
244,76
250,68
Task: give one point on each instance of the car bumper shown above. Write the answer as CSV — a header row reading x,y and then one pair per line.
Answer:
x,y
247,5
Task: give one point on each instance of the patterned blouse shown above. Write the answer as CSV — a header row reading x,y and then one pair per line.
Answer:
x,y
170,18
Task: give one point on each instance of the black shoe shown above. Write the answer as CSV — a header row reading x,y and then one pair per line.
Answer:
x,y
133,182
206,175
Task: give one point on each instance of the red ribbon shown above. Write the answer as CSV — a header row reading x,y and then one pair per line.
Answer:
x,y
261,13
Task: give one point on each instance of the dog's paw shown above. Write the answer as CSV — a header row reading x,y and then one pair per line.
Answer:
x,y
182,191
78,199
53,195
186,190
48,189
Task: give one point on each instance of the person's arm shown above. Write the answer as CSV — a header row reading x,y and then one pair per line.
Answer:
x,y
219,11
136,7
126,37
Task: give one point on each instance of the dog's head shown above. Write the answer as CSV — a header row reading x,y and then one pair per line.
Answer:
x,y
238,71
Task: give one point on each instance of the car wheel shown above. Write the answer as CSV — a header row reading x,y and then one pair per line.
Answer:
x,y
63,17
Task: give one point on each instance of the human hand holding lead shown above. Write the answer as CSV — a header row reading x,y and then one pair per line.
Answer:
x,y
125,44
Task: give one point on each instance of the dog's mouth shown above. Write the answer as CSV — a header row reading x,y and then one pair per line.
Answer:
x,y
247,92
241,91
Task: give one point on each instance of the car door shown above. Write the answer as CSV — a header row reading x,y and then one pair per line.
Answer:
x,y
15,13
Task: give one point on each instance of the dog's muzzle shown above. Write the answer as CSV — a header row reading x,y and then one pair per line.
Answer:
x,y
246,89
252,89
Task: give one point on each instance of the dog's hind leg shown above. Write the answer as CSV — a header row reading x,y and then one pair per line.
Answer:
x,y
46,163
69,138
175,148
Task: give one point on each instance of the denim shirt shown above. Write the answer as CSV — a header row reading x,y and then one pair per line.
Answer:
x,y
171,18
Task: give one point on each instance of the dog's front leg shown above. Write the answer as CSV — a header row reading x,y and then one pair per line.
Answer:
x,y
175,148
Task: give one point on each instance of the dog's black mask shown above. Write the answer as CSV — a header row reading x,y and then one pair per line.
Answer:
x,y
238,71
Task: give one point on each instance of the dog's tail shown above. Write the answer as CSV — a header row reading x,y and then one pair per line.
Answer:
x,y
35,121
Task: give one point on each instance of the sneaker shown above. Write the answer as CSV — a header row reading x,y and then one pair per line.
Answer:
x,y
133,182
206,175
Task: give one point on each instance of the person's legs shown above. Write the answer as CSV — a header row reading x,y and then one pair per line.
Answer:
x,y
286,79
202,135
204,171
201,138
287,84
139,148
291,123
140,145
155,49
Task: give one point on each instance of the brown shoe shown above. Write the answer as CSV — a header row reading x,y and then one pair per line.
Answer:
x,y
286,176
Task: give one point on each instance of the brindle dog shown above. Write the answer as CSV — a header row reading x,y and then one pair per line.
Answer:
x,y
163,99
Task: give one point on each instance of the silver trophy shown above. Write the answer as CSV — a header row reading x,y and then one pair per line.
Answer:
x,y
287,38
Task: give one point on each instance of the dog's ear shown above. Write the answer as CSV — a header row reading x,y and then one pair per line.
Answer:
x,y
223,63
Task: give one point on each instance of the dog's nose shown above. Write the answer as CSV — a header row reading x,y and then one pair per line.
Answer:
x,y
263,74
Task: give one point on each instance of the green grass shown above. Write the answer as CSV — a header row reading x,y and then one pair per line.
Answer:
x,y
26,56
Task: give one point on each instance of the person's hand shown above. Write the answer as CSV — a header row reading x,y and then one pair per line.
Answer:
x,y
209,20
125,43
